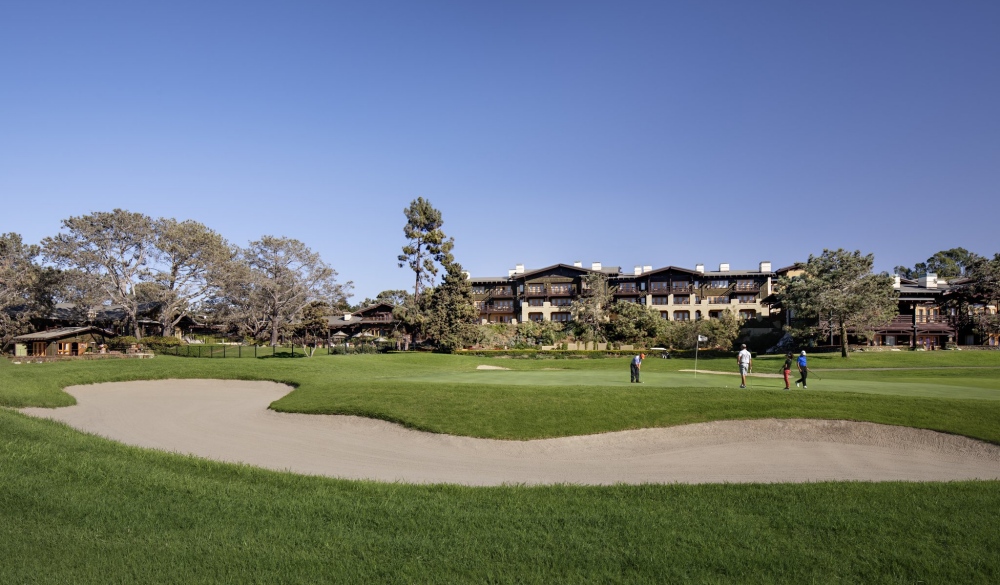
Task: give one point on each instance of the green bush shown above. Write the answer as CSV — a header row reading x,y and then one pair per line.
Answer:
x,y
160,343
122,343
546,354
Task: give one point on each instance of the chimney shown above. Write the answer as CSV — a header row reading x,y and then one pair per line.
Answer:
x,y
519,269
724,267
638,270
929,280
468,275
895,281
700,268
347,316
765,266
510,272
595,266
647,268
578,264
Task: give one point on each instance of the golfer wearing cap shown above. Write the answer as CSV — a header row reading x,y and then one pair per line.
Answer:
x,y
803,370
636,365
745,362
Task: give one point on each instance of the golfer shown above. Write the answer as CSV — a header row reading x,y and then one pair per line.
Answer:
x,y
787,369
745,362
636,366
803,370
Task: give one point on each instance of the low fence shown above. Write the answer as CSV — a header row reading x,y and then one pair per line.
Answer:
x,y
265,351
41,359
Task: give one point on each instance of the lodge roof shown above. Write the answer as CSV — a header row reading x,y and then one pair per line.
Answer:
x,y
61,333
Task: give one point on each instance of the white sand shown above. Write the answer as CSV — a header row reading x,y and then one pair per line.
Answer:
x,y
229,421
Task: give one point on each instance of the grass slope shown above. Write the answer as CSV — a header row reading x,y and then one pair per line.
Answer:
x,y
78,509
75,508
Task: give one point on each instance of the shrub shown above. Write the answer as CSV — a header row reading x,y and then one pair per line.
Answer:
x,y
160,343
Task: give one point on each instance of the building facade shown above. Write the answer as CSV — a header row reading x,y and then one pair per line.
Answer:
x,y
679,294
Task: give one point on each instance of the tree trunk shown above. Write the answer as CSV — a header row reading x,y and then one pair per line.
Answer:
x,y
274,330
843,339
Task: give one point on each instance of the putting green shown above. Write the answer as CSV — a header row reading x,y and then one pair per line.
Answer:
x,y
938,387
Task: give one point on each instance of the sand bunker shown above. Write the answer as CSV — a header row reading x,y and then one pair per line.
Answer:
x,y
491,368
229,421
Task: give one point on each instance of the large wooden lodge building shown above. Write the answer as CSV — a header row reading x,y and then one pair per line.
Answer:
x,y
680,294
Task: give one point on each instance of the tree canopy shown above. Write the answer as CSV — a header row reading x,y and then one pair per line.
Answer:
x,y
947,264
427,246
114,248
839,287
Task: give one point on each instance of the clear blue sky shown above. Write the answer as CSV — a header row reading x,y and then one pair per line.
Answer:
x,y
622,132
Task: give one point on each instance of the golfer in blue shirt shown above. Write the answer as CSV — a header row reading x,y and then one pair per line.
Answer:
x,y
803,370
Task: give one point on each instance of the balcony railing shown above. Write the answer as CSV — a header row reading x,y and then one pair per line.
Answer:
x,y
747,287
560,292
682,288
497,309
718,301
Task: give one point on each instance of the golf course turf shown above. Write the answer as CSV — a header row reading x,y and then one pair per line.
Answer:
x,y
77,508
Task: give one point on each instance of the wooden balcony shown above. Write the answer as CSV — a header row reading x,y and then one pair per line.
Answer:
x,y
747,287
503,309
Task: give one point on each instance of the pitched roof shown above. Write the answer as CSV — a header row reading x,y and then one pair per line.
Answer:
x,y
62,332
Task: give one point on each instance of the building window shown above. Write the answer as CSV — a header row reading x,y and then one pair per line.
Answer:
x,y
660,300
748,314
714,314
535,302
503,305
479,290
501,290
626,287
746,285
501,318
627,300
682,315
682,299
664,315
561,289
536,289
562,317
659,287
745,299
718,301
478,305
536,317
562,302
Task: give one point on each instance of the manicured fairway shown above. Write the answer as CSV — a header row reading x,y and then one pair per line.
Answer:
x,y
79,509
954,385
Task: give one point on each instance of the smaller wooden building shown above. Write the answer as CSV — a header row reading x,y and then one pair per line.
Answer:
x,y
65,341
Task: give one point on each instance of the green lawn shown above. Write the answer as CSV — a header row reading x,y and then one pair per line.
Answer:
x,y
75,508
